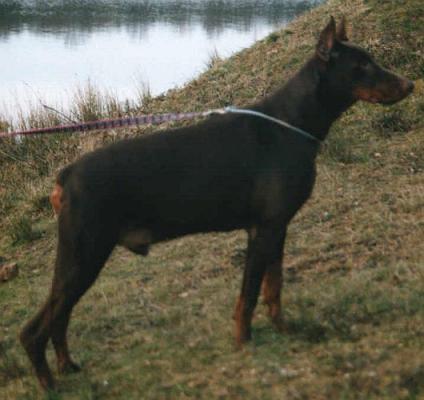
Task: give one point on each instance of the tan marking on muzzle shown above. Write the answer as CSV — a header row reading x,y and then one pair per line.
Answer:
x,y
369,95
56,198
388,92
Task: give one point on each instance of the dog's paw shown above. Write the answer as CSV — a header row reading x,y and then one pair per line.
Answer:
x,y
69,368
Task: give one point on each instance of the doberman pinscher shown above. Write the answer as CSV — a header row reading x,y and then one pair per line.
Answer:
x,y
228,172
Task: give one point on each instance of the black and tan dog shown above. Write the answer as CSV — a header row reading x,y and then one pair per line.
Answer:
x,y
228,172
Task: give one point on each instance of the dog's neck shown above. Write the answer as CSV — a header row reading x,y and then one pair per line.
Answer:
x,y
306,101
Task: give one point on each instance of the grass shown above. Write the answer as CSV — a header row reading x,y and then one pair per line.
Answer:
x,y
160,327
21,230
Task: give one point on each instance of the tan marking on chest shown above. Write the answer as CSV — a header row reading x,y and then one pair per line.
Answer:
x,y
136,238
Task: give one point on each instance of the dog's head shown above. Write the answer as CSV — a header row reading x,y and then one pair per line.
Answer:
x,y
351,72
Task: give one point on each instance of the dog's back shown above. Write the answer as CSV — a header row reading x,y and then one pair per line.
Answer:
x,y
210,176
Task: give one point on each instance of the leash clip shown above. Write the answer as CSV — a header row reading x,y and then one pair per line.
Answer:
x,y
219,111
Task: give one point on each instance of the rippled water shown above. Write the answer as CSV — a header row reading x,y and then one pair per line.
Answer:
x,y
48,48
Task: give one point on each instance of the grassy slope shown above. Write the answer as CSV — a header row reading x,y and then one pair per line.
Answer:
x,y
161,327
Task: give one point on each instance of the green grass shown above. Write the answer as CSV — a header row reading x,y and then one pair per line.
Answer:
x,y
147,330
21,230
161,327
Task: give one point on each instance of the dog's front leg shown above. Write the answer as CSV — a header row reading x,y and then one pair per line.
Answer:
x,y
264,250
271,288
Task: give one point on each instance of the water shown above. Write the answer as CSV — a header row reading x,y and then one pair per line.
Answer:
x,y
49,48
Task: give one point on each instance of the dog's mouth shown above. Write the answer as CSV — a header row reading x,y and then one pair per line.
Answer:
x,y
405,88
389,102
385,97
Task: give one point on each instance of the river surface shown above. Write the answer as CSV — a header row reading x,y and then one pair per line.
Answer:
x,y
49,48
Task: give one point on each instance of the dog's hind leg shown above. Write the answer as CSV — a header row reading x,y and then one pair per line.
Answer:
x,y
76,270
264,249
60,343
80,257
34,338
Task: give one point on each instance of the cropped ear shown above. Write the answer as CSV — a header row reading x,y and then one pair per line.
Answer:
x,y
342,31
326,40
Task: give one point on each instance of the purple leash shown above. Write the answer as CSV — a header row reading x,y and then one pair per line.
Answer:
x,y
151,120
110,123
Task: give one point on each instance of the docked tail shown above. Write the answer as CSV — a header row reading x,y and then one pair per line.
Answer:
x,y
56,194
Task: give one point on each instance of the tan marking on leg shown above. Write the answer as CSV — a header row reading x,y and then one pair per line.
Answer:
x,y
243,319
271,290
64,362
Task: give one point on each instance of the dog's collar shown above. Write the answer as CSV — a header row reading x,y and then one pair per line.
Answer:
x,y
235,110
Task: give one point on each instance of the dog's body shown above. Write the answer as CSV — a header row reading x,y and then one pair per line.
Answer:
x,y
229,172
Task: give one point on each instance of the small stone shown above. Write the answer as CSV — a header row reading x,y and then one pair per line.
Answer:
x,y
8,271
288,373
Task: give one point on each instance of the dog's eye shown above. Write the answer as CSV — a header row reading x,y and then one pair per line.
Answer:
x,y
361,69
358,72
364,64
